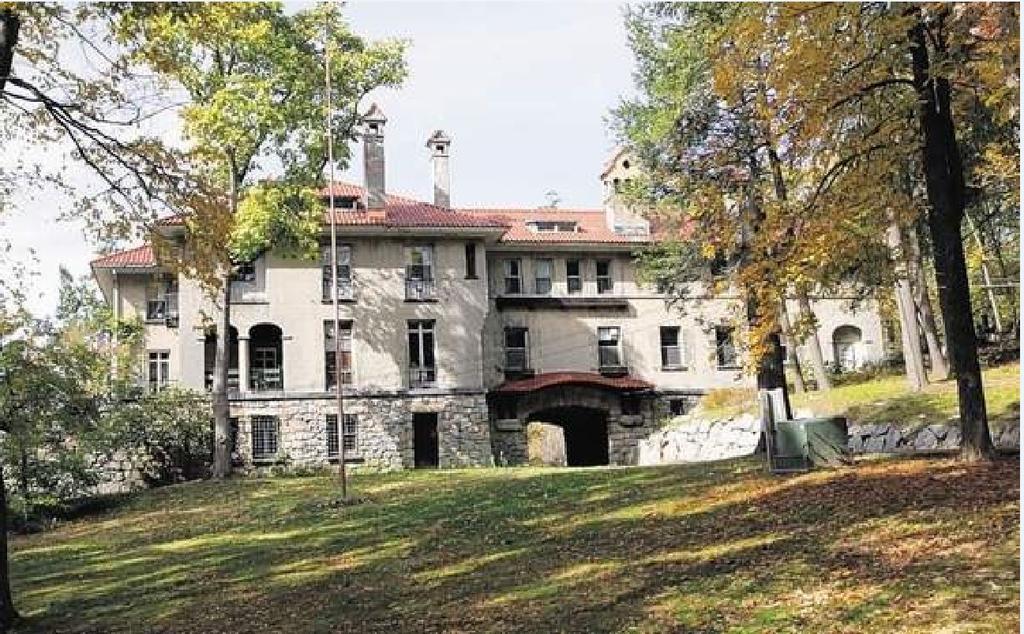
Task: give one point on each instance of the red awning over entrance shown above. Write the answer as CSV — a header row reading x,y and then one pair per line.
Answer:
x,y
550,379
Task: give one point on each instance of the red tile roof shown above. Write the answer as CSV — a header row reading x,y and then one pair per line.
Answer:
x,y
590,223
137,257
550,379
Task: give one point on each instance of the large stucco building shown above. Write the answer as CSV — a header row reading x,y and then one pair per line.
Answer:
x,y
460,326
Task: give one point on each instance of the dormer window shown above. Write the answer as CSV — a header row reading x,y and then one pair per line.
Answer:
x,y
552,226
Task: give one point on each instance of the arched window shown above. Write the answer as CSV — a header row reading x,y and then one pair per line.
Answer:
x,y
265,358
846,347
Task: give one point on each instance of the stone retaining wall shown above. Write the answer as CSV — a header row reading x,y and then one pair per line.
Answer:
x,y
699,440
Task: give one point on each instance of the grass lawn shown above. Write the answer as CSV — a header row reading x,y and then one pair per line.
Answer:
x,y
887,400
889,545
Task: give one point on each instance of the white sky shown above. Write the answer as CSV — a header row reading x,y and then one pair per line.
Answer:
x,y
522,88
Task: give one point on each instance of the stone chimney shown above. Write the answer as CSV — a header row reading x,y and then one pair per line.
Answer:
x,y
373,157
439,144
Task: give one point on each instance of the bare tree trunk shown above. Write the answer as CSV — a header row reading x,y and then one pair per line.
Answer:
x,y
813,342
8,614
985,273
923,304
944,179
912,359
791,343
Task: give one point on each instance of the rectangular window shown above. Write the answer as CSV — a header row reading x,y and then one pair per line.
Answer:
x,y
513,276
725,347
517,348
349,434
630,405
679,406
542,276
671,350
344,271
265,369
604,276
608,352
419,273
245,272
422,372
330,358
264,437
158,375
471,261
162,299
573,278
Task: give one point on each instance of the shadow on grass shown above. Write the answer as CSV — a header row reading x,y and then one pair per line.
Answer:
x,y
698,547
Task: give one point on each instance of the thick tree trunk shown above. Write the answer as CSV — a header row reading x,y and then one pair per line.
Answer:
x,y
813,343
944,179
923,304
912,359
8,615
10,24
791,344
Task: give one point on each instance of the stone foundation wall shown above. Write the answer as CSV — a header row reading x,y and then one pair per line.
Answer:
x,y
885,438
384,437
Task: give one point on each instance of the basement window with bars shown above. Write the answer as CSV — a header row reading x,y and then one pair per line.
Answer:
x,y
349,434
264,438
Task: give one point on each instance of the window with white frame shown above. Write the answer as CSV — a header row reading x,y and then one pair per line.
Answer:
x,y
725,347
419,272
158,370
609,351
330,356
422,371
264,437
573,276
671,348
513,268
517,348
604,276
542,276
344,271
161,299
349,434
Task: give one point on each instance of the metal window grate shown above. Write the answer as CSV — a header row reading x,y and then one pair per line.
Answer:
x,y
264,437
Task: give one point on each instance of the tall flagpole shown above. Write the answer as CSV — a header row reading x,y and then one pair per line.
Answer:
x,y
334,268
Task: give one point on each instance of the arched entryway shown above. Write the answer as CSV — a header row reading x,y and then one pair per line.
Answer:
x,y
846,347
584,434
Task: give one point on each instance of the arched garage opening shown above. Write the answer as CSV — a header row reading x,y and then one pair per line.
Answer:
x,y
583,441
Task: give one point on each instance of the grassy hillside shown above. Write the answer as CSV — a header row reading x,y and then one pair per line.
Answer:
x,y
918,545
887,400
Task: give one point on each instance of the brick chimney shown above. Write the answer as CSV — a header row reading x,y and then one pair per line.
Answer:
x,y
373,157
439,144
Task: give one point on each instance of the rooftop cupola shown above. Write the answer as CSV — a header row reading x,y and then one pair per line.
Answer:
x,y
618,175
439,143
373,157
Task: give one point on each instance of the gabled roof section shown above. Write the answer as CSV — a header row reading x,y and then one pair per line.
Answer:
x,y
552,379
139,257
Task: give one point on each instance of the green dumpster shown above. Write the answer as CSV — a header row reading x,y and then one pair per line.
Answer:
x,y
804,443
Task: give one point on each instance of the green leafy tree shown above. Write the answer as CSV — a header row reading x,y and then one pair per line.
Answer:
x,y
253,80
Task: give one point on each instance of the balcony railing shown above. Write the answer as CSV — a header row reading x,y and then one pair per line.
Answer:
x,y
516,359
422,377
265,379
419,290
232,379
344,289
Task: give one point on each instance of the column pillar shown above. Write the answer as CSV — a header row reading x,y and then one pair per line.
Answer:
x,y
243,363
